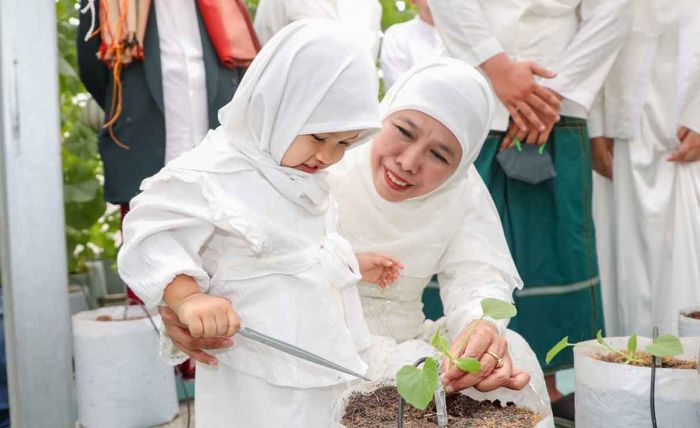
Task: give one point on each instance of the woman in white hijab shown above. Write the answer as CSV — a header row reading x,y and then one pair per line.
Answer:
x,y
414,194
243,225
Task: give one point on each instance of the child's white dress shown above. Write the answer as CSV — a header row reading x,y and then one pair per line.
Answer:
x,y
287,274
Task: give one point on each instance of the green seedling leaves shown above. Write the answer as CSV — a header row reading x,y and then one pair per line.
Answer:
x,y
417,385
441,344
564,343
665,345
599,337
469,365
632,344
498,309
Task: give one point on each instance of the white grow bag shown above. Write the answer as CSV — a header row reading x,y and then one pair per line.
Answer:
x,y
527,398
688,327
617,395
120,380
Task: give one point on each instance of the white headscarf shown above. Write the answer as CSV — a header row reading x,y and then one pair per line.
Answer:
x,y
417,231
311,77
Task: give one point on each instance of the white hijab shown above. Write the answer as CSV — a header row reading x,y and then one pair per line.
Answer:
x,y
417,231
311,77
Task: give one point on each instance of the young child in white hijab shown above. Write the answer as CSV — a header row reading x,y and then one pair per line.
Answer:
x,y
243,226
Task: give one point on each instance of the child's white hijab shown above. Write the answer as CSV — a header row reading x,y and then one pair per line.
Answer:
x,y
311,77
418,231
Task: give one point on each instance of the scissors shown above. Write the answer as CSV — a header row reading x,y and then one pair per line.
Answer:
x,y
295,351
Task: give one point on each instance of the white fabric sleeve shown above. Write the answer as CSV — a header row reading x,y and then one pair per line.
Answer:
x,y
393,57
591,53
596,117
163,234
690,116
464,30
317,9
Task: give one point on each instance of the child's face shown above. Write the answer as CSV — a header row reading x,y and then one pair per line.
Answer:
x,y
314,152
412,155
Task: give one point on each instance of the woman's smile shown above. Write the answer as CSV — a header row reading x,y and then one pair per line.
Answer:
x,y
395,182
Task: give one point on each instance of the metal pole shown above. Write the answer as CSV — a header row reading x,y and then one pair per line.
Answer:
x,y
32,242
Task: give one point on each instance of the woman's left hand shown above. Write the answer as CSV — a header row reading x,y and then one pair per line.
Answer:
x,y
378,269
485,344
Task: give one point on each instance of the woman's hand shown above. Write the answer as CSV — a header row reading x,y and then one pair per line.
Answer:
x,y
689,149
485,344
378,269
192,346
602,156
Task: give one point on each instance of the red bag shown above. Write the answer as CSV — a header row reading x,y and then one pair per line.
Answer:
x,y
231,31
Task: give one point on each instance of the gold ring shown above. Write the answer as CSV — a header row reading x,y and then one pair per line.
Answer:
x,y
499,360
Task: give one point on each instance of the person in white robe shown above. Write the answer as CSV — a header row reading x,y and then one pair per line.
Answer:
x,y
408,43
450,229
254,232
647,154
362,16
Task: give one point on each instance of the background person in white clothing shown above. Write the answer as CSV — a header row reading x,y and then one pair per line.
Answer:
x,y
547,219
362,16
646,139
408,43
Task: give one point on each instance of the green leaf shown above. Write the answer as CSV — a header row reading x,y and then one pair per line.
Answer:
x,y
557,349
417,385
498,309
665,345
469,365
632,344
599,337
440,343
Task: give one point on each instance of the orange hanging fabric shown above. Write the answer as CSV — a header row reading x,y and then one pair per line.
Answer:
x,y
122,30
231,31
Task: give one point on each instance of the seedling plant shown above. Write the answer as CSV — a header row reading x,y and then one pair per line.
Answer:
x,y
666,345
417,385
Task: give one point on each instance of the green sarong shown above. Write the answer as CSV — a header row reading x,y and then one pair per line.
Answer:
x,y
549,229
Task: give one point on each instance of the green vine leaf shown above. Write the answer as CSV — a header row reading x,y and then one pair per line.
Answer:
x,y
469,365
417,385
632,344
665,345
441,344
564,343
599,337
498,309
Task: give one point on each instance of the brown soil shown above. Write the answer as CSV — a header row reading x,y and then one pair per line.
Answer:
x,y
694,315
666,362
109,318
378,410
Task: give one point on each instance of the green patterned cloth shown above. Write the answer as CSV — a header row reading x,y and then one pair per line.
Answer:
x,y
549,229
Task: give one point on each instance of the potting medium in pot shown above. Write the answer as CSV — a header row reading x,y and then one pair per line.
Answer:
x,y
526,399
617,395
688,326
120,380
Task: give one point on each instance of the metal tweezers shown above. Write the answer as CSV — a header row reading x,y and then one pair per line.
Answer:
x,y
295,351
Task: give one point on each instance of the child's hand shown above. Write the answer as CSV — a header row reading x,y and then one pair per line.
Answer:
x,y
378,269
208,316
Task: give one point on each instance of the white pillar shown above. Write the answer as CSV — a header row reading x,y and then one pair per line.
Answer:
x,y
32,242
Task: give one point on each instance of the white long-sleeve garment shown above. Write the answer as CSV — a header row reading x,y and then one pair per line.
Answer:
x,y
263,235
650,212
578,39
407,44
363,16
184,76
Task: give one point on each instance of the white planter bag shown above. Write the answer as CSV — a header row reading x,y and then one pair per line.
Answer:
x,y
688,327
120,380
617,395
526,398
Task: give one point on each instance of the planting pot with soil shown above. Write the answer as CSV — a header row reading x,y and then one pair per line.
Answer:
x,y
375,405
381,404
612,390
120,379
689,322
